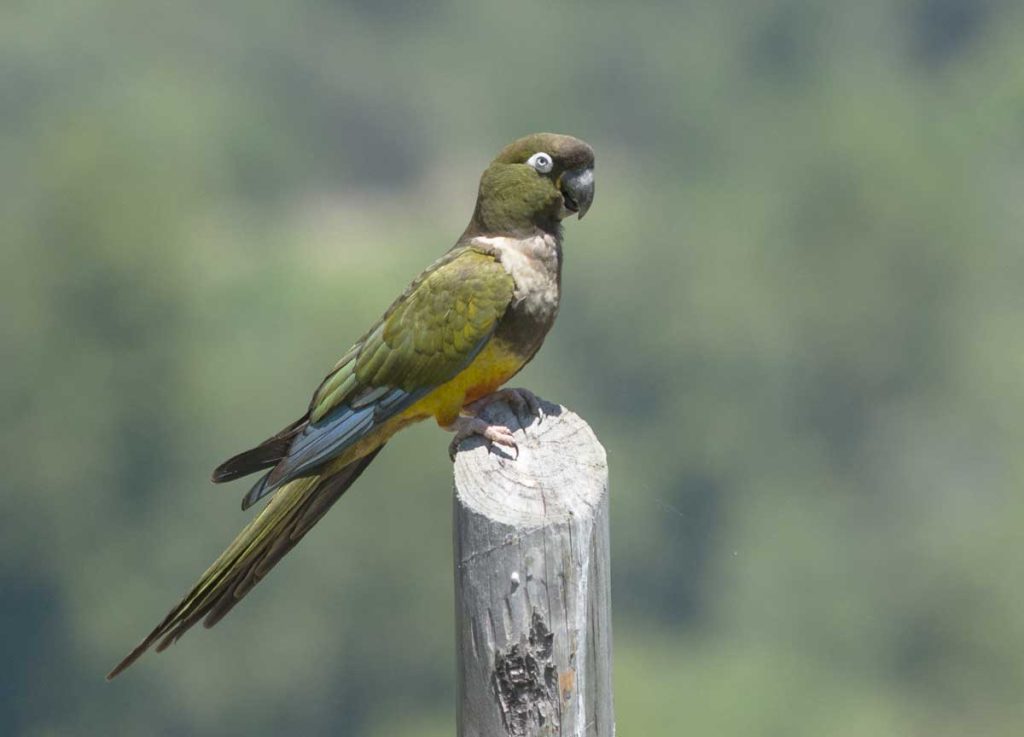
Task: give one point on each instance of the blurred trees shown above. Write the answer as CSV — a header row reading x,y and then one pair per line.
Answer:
x,y
793,317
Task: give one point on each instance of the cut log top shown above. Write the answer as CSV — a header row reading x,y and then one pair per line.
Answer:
x,y
560,470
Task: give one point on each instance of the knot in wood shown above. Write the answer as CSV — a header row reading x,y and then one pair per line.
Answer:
x,y
526,683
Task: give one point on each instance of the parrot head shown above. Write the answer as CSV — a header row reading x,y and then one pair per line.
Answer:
x,y
533,184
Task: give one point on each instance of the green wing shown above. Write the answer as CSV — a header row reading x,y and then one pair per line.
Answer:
x,y
431,332
427,336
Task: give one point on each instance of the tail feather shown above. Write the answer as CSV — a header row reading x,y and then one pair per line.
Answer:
x,y
265,455
259,490
293,511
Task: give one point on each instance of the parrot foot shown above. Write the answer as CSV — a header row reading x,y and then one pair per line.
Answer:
x,y
522,401
465,427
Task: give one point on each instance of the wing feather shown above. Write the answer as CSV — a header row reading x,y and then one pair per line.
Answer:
x,y
433,331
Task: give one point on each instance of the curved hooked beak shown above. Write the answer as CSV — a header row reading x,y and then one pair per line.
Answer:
x,y
578,190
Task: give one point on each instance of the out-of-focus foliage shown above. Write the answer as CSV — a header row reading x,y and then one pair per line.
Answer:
x,y
795,317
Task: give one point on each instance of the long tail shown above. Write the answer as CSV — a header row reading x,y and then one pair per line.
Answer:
x,y
294,509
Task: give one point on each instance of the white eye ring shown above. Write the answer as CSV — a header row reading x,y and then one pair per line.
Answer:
x,y
541,162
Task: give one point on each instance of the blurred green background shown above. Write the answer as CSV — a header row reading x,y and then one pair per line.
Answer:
x,y
794,318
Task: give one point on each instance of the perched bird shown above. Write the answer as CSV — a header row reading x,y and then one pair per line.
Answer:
x,y
464,327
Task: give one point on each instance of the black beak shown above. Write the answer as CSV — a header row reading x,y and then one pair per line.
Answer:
x,y
578,190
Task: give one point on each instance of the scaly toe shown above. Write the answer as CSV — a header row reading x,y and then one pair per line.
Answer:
x,y
501,435
532,402
467,426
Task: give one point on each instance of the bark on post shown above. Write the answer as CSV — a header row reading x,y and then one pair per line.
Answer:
x,y
532,603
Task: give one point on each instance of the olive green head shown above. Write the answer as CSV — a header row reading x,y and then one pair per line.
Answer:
x,y
533,184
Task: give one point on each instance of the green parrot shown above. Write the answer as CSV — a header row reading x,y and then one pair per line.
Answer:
x,y
464,327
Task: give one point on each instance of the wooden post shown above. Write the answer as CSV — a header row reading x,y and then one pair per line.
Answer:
x,y
532,602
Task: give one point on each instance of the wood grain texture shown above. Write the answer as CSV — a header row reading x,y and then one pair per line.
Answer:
x,y
533,610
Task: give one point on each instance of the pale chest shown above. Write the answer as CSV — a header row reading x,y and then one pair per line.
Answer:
x,y
534,264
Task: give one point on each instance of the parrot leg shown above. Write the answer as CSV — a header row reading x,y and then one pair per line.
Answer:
x,y
465,426
522,400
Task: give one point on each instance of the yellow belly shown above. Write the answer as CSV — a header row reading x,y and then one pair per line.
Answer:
x,y
492,367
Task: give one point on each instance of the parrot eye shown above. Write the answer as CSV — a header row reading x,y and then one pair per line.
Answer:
x,y
541,162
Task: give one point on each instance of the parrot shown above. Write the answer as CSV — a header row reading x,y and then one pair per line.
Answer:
x,y
463,328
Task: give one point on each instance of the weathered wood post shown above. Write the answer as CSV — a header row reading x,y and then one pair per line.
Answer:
x,y
532,602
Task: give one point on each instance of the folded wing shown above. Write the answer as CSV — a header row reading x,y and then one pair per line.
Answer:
x,y
432,332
